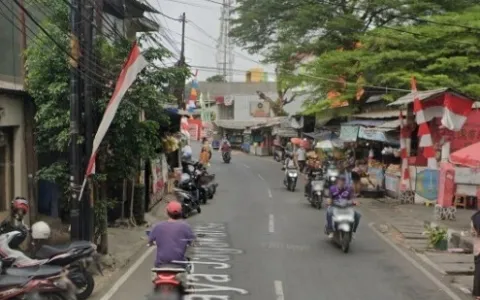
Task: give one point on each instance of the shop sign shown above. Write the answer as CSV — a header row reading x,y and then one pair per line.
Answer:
x,y
392,183
349,133
259,109
159,175
467,176
426,184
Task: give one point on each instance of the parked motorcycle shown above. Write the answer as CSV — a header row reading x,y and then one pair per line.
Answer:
x,y
188,196
36,283
204,181
316,192
343,222
77,257
290,180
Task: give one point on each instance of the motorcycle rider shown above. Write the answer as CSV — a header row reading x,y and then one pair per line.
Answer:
x,y
289,164
340,191
224,145
313,171
172,237
18,210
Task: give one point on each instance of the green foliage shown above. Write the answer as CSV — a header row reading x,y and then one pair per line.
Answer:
x,y
438,56
280,30
435,235
216,78
129,139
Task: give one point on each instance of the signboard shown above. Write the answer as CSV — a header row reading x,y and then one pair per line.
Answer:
x,y
392,183
375,135
467,176
158,175
259,109
426,184
349,133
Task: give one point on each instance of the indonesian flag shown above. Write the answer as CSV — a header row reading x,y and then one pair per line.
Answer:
x,y
134,65
452,108
426,141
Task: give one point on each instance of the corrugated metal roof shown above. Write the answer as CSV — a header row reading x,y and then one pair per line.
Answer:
x,y
384,114
423,95
390,125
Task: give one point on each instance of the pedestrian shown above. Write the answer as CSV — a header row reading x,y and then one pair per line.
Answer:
x,y
205,155
475,226
301,157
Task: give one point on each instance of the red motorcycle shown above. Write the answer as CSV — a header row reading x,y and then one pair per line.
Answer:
x,y
170,280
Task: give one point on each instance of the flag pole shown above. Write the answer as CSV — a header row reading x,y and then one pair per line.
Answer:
x,y
84,184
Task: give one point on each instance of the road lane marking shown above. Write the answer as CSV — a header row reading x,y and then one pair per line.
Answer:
x,y
127,274
260,176
271,224
269,193
419,267
246,166
279,290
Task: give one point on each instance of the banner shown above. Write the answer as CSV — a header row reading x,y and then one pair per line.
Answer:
x,y
349,133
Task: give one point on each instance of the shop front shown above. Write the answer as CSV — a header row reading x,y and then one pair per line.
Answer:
x,y
13,171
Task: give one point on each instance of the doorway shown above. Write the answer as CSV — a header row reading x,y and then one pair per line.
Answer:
x,y
6,167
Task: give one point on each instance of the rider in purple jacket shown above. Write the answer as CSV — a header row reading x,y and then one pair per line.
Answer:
x,y
340,191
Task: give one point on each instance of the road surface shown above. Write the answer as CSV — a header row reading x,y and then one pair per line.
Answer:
x,y
265,242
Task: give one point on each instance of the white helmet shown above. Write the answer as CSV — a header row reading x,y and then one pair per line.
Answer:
x,y
40,231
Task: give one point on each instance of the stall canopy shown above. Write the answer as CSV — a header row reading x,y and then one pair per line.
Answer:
x,y
468,156
330,144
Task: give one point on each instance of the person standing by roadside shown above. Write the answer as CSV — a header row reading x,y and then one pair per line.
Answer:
x,y
475,226
301,157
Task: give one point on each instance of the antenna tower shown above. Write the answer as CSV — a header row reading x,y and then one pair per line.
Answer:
x,y
225,58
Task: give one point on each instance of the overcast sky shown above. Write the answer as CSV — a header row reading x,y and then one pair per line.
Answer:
x,y
199,47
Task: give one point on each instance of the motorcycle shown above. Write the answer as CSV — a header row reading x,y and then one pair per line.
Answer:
x,y
226,156
316,192
343,221
77,257
291,179
36,283
279,154
188,196
204,181
331,173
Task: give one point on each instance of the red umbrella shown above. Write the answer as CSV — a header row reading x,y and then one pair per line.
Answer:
x,y
296,141
468,156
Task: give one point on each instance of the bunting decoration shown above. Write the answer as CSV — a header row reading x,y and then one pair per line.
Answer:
x,y
425,136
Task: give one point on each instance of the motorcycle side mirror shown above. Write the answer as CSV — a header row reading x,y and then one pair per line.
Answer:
x,y
283,168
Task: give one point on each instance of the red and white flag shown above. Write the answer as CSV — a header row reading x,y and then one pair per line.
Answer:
x,y
134,65
426,141
451,108
404,147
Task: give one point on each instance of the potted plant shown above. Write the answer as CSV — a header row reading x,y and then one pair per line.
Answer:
x,y
437,237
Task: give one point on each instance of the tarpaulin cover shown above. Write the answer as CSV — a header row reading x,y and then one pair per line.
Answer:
x,y
468,156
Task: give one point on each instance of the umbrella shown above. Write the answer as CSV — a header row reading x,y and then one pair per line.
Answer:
x,y
468,156
296,141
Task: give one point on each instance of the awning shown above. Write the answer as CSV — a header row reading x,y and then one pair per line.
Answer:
x,y
468,156
383,114
284,132
424,95
389,125
363,123
373,134
251,124
321,135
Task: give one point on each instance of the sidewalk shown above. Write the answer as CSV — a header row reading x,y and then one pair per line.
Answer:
x,y
405,223
125,245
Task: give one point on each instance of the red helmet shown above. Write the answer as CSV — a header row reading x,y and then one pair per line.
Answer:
x,y
20,203
174,208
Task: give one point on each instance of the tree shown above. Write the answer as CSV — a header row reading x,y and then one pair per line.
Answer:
x,y
437,55
216,78
129,140
320,26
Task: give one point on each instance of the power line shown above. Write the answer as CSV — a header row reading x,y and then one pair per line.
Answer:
x,y
193,5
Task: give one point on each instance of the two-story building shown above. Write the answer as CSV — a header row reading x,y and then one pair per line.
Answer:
x,y
17,155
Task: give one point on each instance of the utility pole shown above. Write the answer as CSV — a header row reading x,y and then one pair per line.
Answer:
x,y
75,168
29,115
180,89
87,207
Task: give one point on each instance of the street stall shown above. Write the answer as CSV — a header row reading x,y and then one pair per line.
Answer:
x,y
434,120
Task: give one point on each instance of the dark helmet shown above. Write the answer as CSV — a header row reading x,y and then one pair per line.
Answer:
x,y
18,239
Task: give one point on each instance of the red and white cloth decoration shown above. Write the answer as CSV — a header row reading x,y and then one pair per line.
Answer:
x,y
452,109
424,134
134,65
185,127
404,154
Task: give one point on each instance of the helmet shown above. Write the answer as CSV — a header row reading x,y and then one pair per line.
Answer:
x,y
40,231
184,178
17,236
174,208
19,204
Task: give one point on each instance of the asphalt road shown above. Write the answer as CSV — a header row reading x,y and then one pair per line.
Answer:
x,y
264,242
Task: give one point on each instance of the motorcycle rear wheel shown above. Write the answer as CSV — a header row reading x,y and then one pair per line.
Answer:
x,y
85,288
345,239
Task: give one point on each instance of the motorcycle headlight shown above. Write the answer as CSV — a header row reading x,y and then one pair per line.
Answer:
x,y
333,178
292,174
317,187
